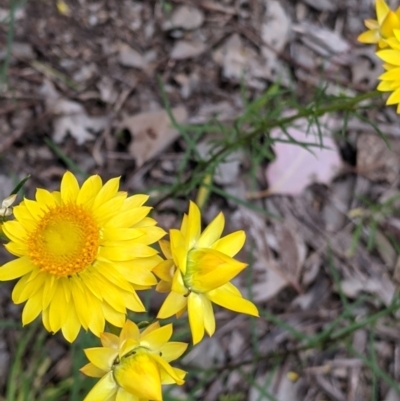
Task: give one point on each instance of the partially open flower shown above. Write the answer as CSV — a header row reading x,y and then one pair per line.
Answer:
x,y
134,365
390,80
198,271
6,209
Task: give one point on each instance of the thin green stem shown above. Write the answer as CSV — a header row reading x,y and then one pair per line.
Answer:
x,y
337,105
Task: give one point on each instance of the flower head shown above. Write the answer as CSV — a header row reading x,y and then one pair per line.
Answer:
x,y
134,365
82,252
390,80
198,271
382,28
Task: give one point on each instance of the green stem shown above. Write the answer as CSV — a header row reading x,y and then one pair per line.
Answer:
x,y
336,106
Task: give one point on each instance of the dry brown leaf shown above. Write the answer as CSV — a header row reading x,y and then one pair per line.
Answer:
x,y
152,132
185,17
292,253
129,57
272,275
376,160
184,49
279,385
70,117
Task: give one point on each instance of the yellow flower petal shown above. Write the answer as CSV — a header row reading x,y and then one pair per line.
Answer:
x,y
109,340
104,389
49,288
140,376
121,233
34,208
196,317
193,226
390,23
123,395
15,269
173,350
165,248
123,253
92,370
165,270
381,10
45,198
15,232
89,190
130,330
108,209
385,86
209,319
390,56
32,309
224,297
107,191
102,358
69,187
178,249
111,315
15,248
168,369
212,269
155,339
391,75
178,284
25,289
128,347
135,201
150,328
133,302
394,98
72,325
369,37
21,213
172,305
129,218
371,24
167,379
393,43
212,232
230,244
57,308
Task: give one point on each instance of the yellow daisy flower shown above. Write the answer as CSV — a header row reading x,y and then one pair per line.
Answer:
x,y
134,365
82,252
390,80
381,28
198,269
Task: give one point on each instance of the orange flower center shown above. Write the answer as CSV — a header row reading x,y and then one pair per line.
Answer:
x,y
65,241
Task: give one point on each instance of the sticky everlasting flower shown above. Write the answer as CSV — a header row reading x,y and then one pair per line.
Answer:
x,y
197,271
382,28
134,365
82,252
390,80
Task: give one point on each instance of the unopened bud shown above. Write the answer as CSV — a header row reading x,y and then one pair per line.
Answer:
x,y
8,201
6,209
